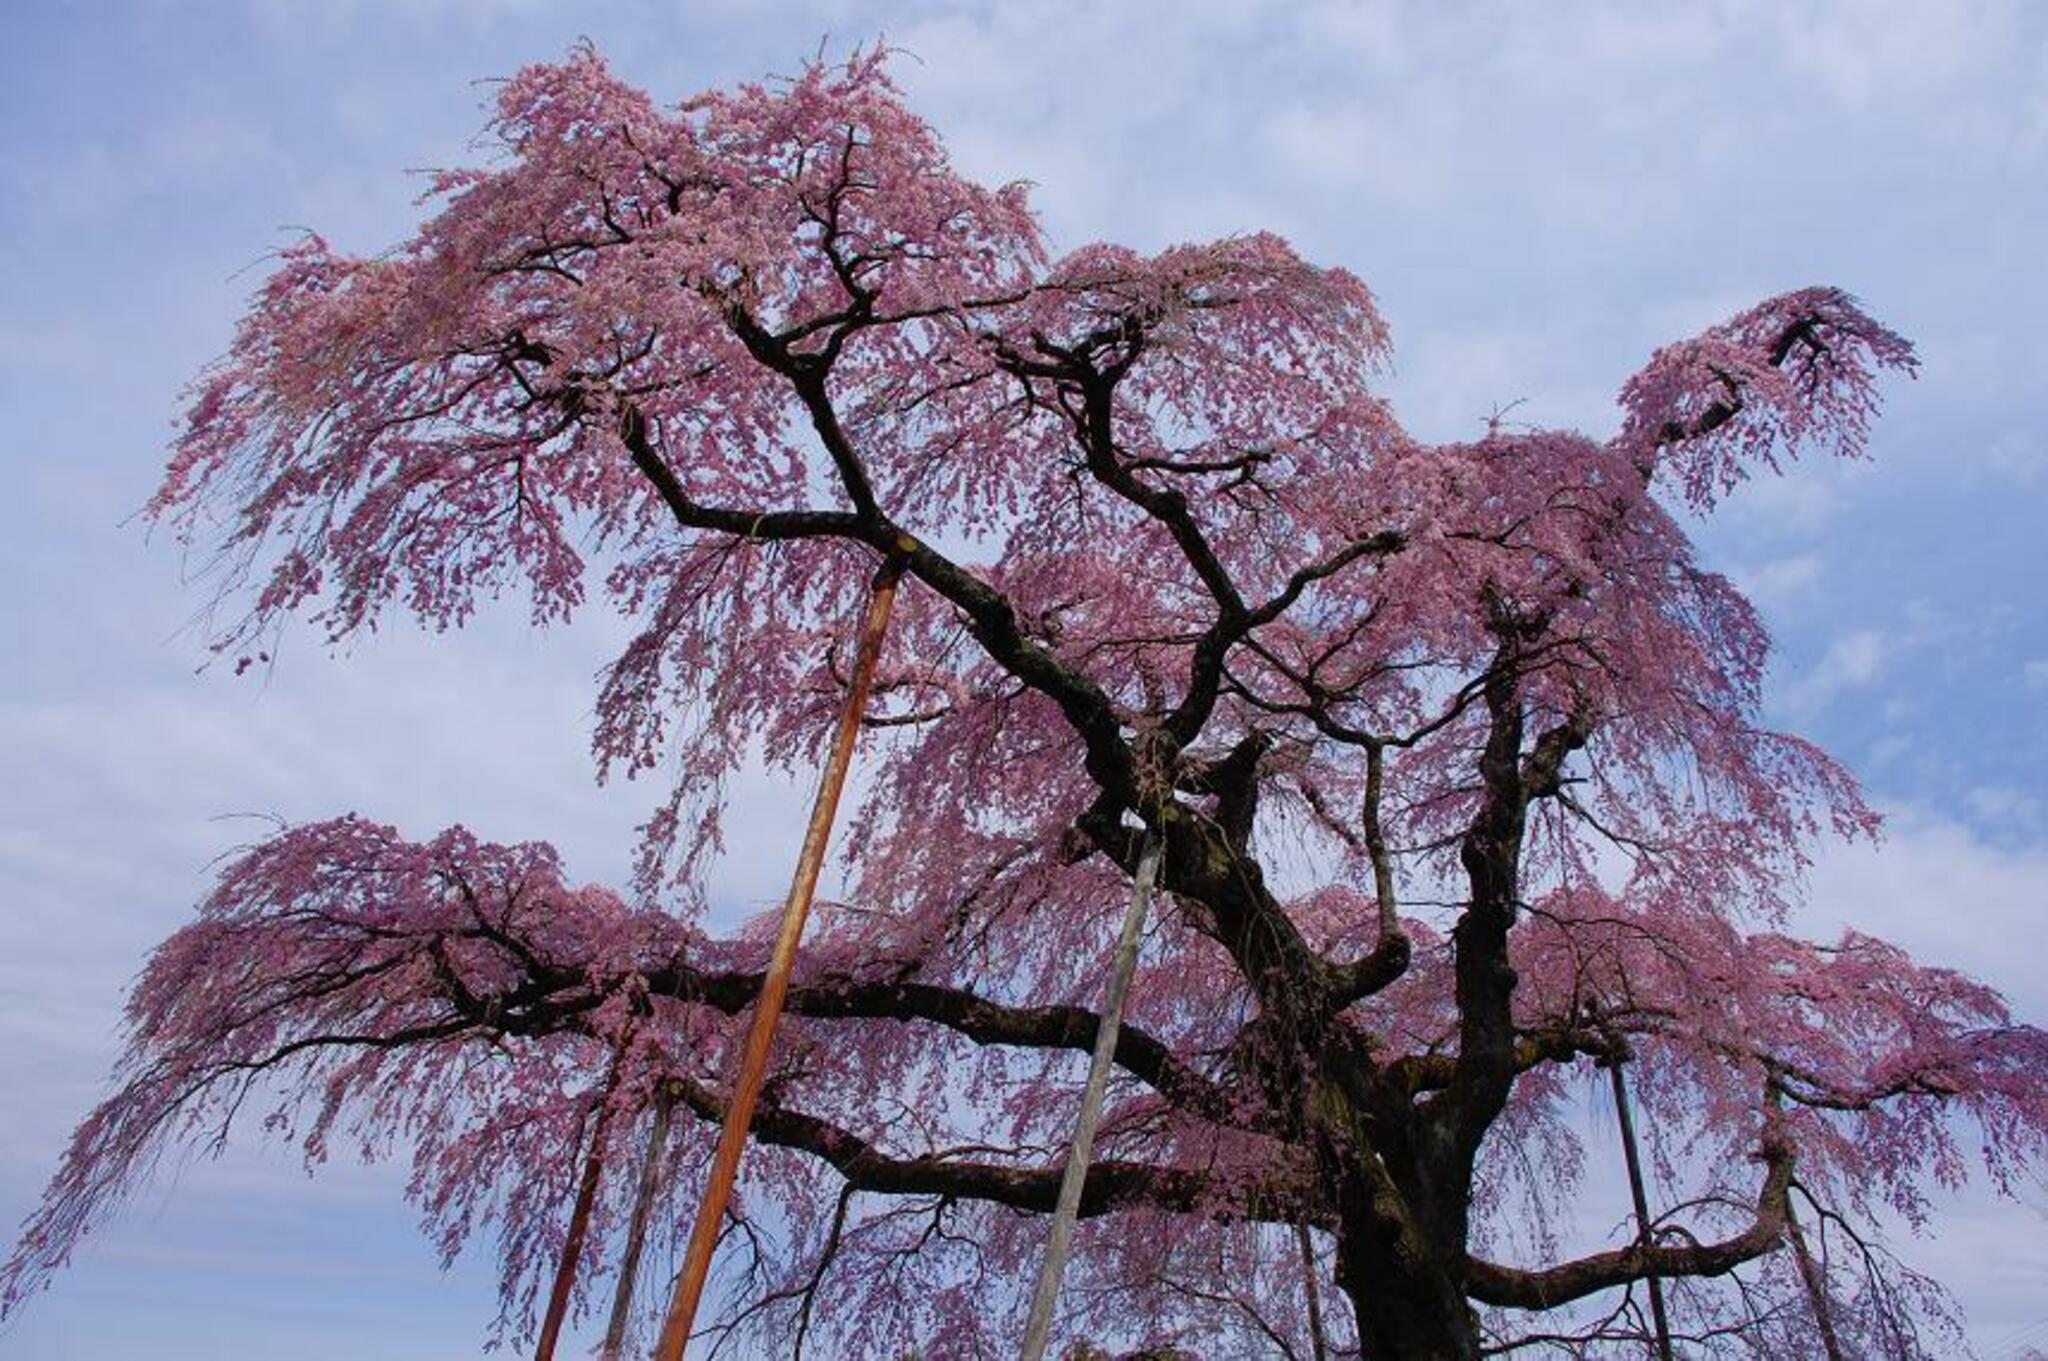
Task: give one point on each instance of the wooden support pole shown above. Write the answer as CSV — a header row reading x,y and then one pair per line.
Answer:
x,y
1038,1329
1642,1200
636,1227
579,1218
732,1139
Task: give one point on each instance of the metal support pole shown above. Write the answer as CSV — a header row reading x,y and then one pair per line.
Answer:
x,y
1816,1286
1039,1329
1317,1339
1319,1345
636,1227
1642,1199
739,1113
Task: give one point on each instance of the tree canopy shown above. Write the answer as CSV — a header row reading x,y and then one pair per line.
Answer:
x,y
1454,752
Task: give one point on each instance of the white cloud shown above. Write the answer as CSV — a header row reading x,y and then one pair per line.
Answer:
x,y
2020,456
1781,582
1944,892
2005,806
98,179
1857,658
1852,662
1372,35
1403,156
1869,49
1689,314
1801,501
337,20
64,343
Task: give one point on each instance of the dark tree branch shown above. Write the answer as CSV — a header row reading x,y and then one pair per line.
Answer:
x,y
1112,1183
1549,1287
985,1022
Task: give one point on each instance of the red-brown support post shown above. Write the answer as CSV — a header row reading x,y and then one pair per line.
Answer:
x,y
739,1113
579,1220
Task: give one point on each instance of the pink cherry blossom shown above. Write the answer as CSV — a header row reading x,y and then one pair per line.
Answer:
x,y
1454,750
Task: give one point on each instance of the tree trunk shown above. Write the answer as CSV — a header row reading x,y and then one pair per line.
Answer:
x,y
1413,1321
1410,1304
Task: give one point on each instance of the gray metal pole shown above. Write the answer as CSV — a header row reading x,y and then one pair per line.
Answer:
x,y
636,1229
1642,1199
1039,1329
1816,1287
1318,1344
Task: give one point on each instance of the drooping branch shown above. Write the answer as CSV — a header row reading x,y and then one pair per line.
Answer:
x,y
1550,1287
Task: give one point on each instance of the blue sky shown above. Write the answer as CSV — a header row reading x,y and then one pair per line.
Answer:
x,y
1538,194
